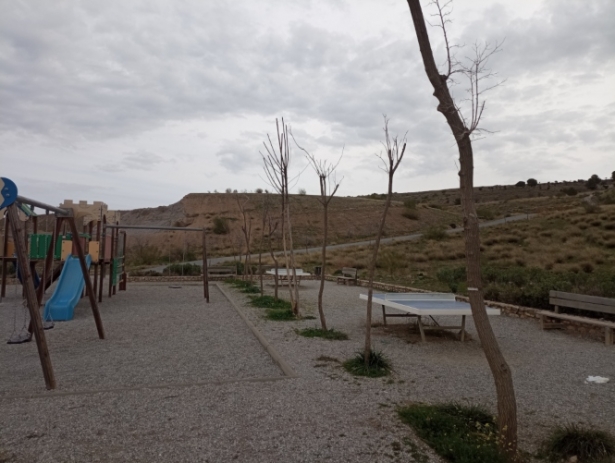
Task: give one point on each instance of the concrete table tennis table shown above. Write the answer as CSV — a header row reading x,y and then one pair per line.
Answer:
x,y
284,276
426,305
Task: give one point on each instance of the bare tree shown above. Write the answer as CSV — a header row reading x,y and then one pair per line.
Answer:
x,y
328,187
393,156
265,206
276,164
462,130
246,228
272,226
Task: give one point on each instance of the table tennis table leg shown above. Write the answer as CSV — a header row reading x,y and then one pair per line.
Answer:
x,y
463,328
420,323
384,315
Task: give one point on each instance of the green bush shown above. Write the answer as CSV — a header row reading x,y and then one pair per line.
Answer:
x,y
570,191
280,314
270,302
330,334
245,286
453,277
588,445
378,365
458,433
220,226
530,286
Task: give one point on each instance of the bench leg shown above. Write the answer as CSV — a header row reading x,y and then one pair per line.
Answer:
x,y
463,328
608,336
422,331
384,315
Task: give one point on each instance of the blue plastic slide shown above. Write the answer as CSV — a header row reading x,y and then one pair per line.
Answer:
x,y
68,291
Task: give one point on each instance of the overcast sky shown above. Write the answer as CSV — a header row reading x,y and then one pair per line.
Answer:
x,y
138,103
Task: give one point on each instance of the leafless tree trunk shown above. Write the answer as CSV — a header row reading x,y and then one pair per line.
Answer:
x,y
328,188
265,206
246,228
462,131
272,227
276,164
394,155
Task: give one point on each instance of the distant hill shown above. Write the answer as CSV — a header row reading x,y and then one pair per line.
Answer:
x,y
350,218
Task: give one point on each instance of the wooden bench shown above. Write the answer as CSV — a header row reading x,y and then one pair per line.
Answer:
x,y
578,301
222,270
348,275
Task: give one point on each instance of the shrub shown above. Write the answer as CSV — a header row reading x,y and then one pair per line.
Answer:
x,y
302,191
570,191
434,233
184,269
453,277
411,214
269,302
378,365
457,201
280,315
588,445
593,182
485,213
410,204
591,208
330,334
458,433
532,182
144,254
221,226
520,184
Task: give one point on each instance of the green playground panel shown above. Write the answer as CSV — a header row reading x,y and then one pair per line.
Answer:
x,y
39,244
116,268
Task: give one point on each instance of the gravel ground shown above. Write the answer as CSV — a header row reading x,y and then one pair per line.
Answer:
x,y
177,380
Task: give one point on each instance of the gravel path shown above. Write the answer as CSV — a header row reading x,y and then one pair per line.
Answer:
x,y
178,380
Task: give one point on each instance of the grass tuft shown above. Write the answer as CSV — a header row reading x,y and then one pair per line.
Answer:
x,y
378,365
331,334
458,433
280,315
270,302
588,445
245,286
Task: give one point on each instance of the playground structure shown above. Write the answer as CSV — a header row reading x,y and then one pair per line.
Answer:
x,y
34,296
101,245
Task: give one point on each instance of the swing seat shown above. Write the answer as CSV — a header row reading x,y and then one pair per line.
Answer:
x,y
20,338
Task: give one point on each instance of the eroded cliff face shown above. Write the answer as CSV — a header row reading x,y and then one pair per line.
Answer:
x,y
350,219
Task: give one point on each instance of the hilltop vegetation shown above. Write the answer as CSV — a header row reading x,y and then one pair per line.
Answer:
x,y
570,249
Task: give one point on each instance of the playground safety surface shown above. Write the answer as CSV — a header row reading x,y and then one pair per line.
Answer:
x,y
180,380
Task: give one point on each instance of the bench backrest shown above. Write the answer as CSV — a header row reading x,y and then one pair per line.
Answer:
x,y
580,301
348,271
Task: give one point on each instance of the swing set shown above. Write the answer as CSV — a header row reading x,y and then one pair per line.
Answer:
x,y
106,251
14,203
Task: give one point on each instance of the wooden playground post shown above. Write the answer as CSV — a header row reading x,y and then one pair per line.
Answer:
x,y
5,250
96,264
103,251
32,300
86,277
47,270
205,277
111,257
124,278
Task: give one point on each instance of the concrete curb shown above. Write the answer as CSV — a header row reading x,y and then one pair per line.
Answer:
x,y
277,358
